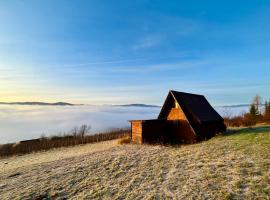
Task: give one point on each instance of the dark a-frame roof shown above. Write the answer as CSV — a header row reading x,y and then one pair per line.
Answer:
x,y
196,107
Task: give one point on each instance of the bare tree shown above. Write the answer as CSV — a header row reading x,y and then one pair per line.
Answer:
x,y
75,131
226,113
84,129
256,102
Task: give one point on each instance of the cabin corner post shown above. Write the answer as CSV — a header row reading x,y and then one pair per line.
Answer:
x,y
131,130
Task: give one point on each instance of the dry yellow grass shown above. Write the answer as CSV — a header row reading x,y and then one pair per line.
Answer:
x,y
234,166
124,140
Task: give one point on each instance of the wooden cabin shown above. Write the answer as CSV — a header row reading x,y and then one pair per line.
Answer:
x,y
184,117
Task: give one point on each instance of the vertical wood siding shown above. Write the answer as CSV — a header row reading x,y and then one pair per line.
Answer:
x,y
181,129
136,128
176,114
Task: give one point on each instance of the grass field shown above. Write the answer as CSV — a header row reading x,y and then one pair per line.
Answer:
x,y
231,166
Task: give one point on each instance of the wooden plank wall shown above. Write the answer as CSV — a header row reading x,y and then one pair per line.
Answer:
x,y
175,114
136,134
181,129
155,131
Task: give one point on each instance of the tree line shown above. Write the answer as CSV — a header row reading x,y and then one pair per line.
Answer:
x,y
255,110
258,113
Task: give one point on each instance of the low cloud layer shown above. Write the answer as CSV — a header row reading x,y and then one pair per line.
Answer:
x,y
27,122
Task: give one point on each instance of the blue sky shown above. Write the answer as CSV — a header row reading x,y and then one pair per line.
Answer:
x,y
116,52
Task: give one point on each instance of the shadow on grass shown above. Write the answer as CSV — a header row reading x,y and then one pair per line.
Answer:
x,y
247,130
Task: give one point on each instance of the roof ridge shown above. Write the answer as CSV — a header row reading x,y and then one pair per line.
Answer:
x,y
174,91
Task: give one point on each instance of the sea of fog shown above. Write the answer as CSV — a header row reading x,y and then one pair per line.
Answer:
x,y
19,122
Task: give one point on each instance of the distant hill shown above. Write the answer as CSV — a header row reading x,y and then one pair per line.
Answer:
x,y
239,106
69,104
38,103
149,105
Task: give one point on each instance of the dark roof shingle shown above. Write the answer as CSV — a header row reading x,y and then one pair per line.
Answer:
x,y
197,106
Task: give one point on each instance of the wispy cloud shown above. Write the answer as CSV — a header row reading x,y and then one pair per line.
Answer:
x,y
104,62
169,66
149,42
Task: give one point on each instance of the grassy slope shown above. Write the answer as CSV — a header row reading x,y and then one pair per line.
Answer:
x,y
234,166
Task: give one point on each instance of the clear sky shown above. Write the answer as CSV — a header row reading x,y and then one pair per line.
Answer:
x,y
116,52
